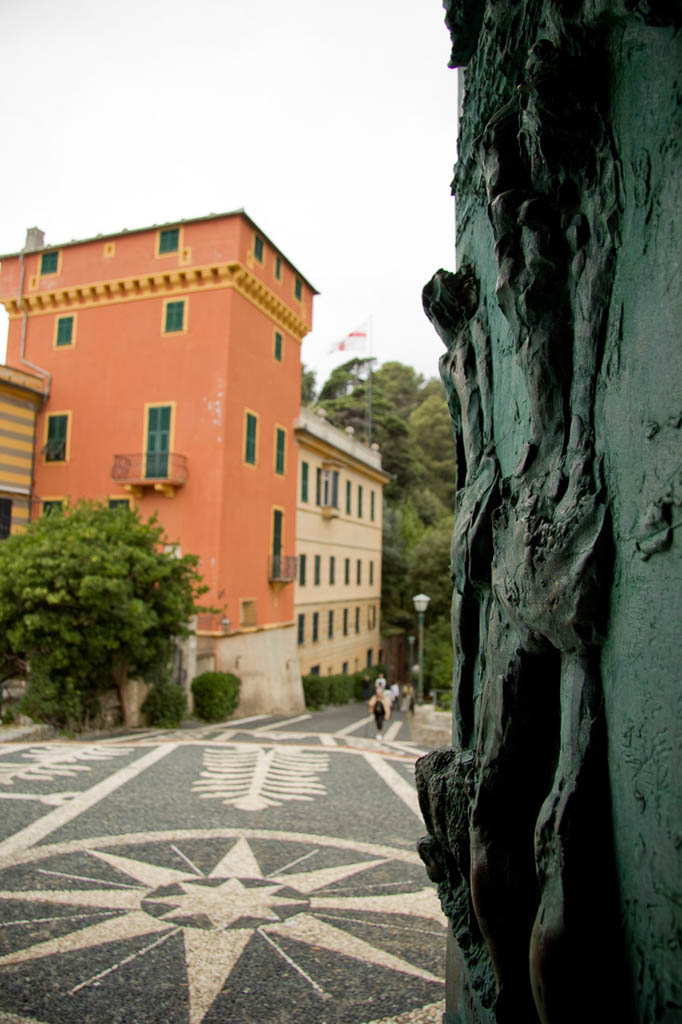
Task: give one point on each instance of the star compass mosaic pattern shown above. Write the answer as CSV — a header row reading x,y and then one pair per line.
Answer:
x,y
228,927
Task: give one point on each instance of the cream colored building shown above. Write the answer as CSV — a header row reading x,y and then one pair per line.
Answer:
x,y
339,511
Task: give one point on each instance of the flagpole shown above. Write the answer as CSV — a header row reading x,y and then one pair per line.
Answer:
x,y
369,382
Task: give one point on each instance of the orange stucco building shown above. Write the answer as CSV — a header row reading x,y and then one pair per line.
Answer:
x,y
171,365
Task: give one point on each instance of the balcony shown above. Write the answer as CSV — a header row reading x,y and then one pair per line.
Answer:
x,y
162,471
282,569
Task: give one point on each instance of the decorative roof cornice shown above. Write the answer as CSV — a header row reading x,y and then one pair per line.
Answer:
x,y
163,283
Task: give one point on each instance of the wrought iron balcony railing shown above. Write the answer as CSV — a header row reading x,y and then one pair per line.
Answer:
x,y
282,569
161,470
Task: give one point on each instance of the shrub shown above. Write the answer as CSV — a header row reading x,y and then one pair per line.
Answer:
x,y
165,706
320,691
216,695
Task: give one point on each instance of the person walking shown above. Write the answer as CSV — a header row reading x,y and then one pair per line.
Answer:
x,y
380,683
380,707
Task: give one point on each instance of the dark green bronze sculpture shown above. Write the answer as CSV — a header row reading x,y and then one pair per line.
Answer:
x,y
555,818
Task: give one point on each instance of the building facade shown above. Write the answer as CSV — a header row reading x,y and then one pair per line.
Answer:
x,y
21,396
338,546
172,363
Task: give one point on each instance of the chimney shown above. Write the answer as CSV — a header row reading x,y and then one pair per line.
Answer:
x,y
35,240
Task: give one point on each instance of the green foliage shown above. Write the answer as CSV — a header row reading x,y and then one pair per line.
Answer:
x,y
165,706
87,596
216,695
307,386
322,691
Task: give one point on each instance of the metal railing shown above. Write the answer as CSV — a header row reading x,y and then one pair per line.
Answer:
x,y
282,568
150,467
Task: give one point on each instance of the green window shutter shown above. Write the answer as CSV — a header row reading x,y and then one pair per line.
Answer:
x,y
345,622
278,268
55,449
250,444
332,570
169,240
277,519
304,481
335,488
359,572
357,620
175,316
371,506
64,330
158,440
347,497
278,346
258,248
317,570
279,455
298,289
330,628
301,629
346,571
301,570
49,262
316,625
359,501
371,573
318,488
50,507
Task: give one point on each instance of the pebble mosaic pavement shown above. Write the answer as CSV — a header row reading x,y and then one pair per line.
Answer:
x,y
258,870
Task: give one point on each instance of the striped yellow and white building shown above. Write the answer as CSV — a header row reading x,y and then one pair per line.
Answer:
x,y
21,395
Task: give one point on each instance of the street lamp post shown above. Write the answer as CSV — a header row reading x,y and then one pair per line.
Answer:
x,y
421,603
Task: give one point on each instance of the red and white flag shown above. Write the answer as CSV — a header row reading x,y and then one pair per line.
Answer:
x,y
354,341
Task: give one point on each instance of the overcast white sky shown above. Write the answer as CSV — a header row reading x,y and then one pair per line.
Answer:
x,y
332,124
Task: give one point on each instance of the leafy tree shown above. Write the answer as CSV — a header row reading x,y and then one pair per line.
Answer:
x,y
308,386
89,596
432,432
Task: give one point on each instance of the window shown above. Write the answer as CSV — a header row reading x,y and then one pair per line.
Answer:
x,y
49,262
330,624
318,561
250,438
369,658
372,509
247,612
298,288
301,629
52,507
175,317
158,440
278,347
344,668
258,248
327,490
57,428
169,240
346,571
357,620
277,525
371,573
301,570
119,502
347,497
5,517
332,570
304,481
64,331
278,267
345,622
280,449
314,670
358,572
316,627
359,501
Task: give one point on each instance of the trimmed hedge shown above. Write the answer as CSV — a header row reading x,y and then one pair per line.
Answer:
x,y
165,706
216,695
321,691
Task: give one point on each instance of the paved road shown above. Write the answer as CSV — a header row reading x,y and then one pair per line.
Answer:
x,y
258,870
